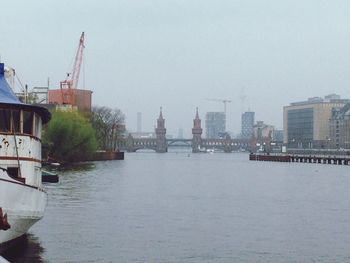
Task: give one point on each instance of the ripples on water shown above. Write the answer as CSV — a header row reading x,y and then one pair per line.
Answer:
x,y
181,207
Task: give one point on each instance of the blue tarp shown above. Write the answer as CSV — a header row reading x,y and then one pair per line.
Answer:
x,y
9,99
6,93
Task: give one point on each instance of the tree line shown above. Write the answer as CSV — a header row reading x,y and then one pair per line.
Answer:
x,y
73,136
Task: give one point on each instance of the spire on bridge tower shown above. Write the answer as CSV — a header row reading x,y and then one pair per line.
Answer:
x,y
161,120
161,113
197,121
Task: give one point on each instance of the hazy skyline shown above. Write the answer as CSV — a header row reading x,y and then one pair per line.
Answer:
x,y
141,55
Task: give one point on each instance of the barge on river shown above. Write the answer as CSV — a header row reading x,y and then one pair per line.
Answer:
x,y
22,198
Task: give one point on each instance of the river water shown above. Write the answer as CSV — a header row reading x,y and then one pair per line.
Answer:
x,y
184,207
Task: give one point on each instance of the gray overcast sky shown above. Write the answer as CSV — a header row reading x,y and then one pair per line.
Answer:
x,y
143,54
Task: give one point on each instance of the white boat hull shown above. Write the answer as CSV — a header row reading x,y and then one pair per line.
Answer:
x,y
23,204
22,199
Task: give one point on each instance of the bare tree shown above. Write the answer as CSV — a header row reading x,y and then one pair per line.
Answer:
x,y
109,126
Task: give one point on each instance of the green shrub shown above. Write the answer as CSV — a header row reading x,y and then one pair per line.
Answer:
x,y
69,137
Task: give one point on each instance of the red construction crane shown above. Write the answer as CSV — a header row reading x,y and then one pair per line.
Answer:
x,y
69,85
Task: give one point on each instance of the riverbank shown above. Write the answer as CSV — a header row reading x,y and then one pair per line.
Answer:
x,y
97,156
107,156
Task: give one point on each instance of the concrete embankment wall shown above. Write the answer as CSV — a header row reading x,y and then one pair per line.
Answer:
x,y
106,156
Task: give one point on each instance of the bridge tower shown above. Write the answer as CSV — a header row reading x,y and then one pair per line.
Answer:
x,y
197,133
160,134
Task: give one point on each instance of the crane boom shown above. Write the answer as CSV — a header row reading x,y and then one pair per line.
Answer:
x,y
78,61
67,86
224,101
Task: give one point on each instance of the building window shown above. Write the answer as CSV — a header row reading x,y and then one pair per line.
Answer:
x,y
300,127
9,120
37,126
5,120
15,123
28,122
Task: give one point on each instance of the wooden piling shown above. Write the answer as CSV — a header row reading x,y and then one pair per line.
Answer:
x,y
344,160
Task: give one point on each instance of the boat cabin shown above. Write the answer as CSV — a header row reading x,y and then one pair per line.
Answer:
x,y
20,122
20,136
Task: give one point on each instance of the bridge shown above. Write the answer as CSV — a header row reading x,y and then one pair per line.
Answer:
x,y
161,144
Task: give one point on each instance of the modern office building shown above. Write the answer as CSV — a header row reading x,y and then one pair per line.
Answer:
x,y
247,123
306,123
215,124
339,125
277,135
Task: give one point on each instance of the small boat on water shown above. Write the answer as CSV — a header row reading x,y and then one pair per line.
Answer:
x,y
49,177
22,198
210,151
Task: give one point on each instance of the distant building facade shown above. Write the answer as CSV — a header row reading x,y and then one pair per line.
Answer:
x,y
75,97
277,135
143,135
247,123
215,124
262,132
306,123
339,126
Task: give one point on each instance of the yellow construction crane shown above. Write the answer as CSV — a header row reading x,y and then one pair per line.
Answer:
x,y
224,101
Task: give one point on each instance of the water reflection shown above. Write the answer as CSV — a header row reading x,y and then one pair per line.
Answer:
x,y
27,249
